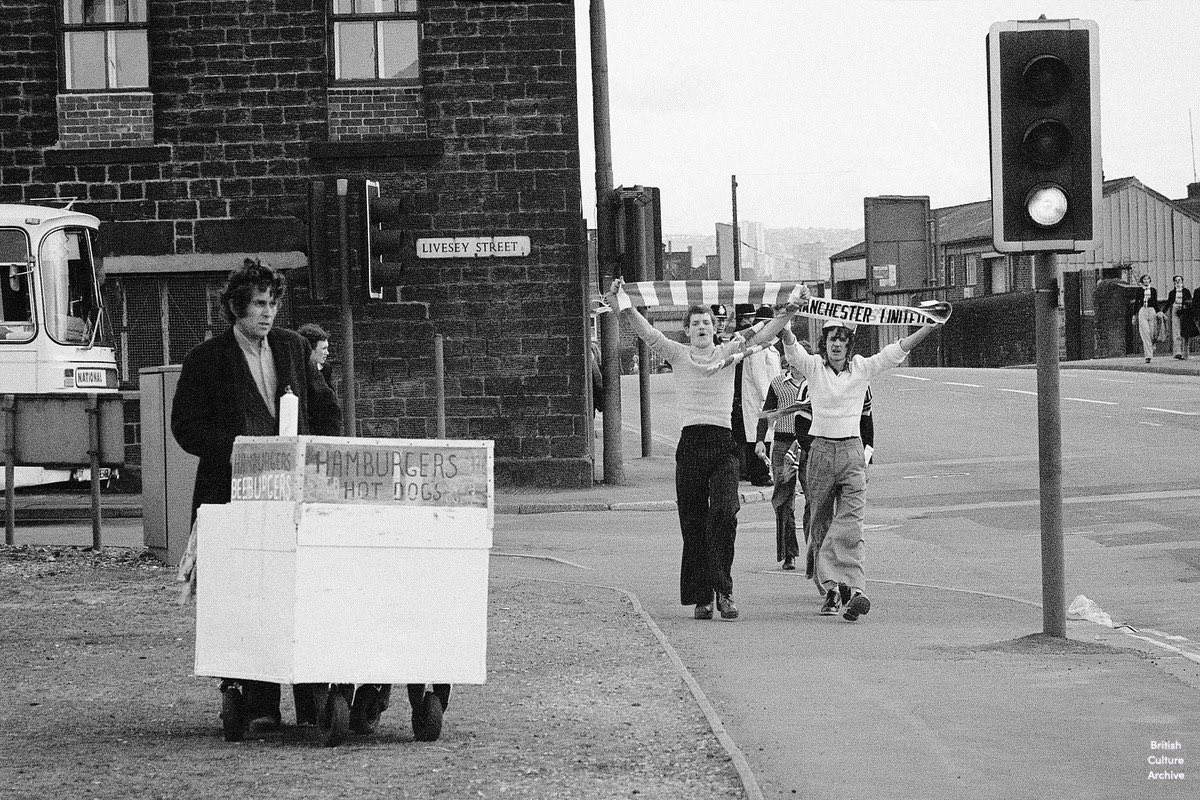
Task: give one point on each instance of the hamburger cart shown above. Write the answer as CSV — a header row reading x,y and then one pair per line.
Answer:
x,y
343,561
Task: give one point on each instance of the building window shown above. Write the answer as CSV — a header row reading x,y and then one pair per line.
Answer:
x,y
376,40
998,273
104,45
16,310
972,270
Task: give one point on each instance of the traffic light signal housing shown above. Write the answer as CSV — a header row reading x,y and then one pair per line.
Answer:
x,y
383,240
1044,109
637,227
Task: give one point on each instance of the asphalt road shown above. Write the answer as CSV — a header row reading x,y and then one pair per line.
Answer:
x,y
938,693
957,468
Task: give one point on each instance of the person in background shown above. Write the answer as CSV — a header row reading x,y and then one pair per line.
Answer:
x,y
1179,311
706,478
738,321
597,377
1145,314
754,377
784,392
837,466
230,386
318,339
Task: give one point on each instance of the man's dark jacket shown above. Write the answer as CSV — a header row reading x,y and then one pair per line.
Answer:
x,y
217,400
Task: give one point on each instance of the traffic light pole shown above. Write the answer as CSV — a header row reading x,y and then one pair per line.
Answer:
x,y
349,422
610,329
1054,600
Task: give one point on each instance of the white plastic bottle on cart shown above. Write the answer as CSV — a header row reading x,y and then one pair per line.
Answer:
x,y
289,413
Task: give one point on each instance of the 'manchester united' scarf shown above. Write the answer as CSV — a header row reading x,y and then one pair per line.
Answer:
x,y
710,293
643,294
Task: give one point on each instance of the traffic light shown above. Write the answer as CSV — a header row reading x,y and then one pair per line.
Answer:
x,y
383,240
637,226
1044,107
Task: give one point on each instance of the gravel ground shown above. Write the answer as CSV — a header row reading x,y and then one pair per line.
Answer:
x,y
100,702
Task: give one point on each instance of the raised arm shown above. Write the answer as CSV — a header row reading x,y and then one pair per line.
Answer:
x,y
796,301
641,325
773,328
913,339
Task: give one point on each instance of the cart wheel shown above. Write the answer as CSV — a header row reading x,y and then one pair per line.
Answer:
x,y
430,729
335,722
233,713
364,713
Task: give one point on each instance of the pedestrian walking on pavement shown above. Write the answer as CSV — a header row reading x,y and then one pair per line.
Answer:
x,y
837,468
1145,315
793,467
706,466
1179,312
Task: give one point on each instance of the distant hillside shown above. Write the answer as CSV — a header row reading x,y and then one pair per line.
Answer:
x,y
810,246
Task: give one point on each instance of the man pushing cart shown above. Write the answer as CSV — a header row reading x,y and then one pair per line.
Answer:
x,y
321,561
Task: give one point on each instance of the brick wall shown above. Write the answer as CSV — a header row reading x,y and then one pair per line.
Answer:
x,y
108,119
499,91
367,113
242,98
29,82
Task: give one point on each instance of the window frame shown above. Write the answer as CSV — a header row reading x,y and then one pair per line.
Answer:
x,y
415,15
110,31
32,289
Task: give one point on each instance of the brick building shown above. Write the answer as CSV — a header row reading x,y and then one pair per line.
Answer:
x,y
200,132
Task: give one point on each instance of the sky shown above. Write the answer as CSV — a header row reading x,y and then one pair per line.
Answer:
x,y
815,104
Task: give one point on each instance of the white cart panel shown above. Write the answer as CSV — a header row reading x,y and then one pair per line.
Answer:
x,y
347,561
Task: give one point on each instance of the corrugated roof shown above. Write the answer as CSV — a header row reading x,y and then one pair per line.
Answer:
x,y
855,251
964,223
972,222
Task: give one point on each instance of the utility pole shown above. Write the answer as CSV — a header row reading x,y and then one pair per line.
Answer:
x,y
610,329
737,234
645,264
1054,593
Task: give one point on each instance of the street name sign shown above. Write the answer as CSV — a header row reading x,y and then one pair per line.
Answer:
x,y
474,247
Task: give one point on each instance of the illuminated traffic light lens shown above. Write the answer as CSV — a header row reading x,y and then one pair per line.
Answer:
x,y
1046,205
1047,142
1046,78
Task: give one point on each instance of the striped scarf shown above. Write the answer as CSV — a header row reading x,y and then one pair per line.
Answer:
x,y
644,294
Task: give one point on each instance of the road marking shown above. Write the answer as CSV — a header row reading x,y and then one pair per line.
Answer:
x,y
1186,654
931,477
1151,424
1085,400
910,377
1112,380
1166,636
972,385
1172,411
1018,391
917,512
